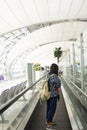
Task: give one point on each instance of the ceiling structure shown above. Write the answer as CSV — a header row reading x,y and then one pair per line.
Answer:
x,y
31,29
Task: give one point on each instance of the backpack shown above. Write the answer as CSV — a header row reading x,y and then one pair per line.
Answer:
x,y
45,93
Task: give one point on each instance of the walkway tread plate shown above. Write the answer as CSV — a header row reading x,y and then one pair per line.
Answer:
x,y
37,120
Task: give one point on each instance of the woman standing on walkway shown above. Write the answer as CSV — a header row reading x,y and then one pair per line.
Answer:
x,y
54,86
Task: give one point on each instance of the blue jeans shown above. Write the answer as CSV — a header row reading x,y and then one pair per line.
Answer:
x,y
51,108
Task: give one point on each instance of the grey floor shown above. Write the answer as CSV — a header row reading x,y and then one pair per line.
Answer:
x,y
37,121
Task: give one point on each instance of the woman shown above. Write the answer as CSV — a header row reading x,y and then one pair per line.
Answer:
x,y
54,85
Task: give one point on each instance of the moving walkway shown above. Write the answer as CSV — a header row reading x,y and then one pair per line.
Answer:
x,y
24,111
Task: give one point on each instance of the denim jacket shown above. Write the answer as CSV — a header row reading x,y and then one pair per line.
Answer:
x,y
54,84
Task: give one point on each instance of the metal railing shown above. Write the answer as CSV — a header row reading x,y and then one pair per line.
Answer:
x,y
5,106
79,94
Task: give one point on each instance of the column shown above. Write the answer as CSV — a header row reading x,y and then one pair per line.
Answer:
x,y
82,61
29,74
74,76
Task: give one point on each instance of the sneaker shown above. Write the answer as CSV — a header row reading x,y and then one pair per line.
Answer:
x,y
50,127
51,123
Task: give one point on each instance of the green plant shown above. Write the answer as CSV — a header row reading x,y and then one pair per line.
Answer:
x,y
58,53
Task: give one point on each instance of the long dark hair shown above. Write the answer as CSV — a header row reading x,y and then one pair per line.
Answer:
x,y
54,69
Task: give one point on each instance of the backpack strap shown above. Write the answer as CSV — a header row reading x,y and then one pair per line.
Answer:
x,y
48,81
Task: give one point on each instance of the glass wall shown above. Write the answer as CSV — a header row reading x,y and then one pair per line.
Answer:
x,y
7,42
76,63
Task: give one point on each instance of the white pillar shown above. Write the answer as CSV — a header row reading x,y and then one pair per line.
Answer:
x,y
66,63
33,74
82,61
74,75
69,58
69,62
29,74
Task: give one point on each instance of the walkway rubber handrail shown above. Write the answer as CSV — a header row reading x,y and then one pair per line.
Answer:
x,y
13,100
76,86
81,93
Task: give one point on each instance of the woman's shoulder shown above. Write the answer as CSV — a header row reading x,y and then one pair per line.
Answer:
x,y
56,77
